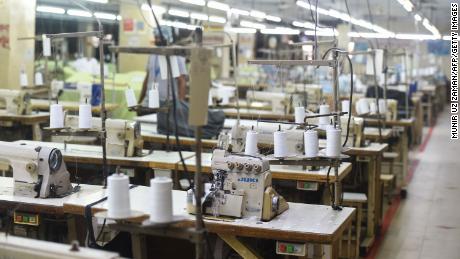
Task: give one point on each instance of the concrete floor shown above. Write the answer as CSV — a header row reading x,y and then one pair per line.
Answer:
x,y
427,223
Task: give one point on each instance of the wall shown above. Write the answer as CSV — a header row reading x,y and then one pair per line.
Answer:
x,y
17,19
133,35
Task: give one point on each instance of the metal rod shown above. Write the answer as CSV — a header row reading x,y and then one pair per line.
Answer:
x,y
164,51
321,63
323,42
103,110
199,223
364,52
83,34
335,91
376,89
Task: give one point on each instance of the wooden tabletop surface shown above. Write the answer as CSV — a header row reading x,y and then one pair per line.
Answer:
x,y
40,117
44,105
281,172
301,222
51,205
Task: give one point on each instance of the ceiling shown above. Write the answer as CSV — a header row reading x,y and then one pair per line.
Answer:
x,y
388,14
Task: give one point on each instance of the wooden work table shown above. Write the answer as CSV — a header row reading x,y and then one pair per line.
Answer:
x,y
254,114
33,120
87,154
44,105
39,205
303,223
280,172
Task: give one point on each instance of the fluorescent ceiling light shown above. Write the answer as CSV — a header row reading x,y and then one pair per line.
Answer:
x,y
50,9
217,19
307,25
119,18
417,17
402,36
106,16
252,25
81,13
98,1
199,16
368,35
281,31
273,18
407,4
310,7
240,30
449,38
218,6
239,11
179,25
426,23
344,17
195,2
257,14
177,12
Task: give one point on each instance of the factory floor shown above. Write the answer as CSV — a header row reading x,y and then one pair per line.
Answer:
x,y
426,225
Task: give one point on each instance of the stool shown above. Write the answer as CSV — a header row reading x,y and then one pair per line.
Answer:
x,y
387,182
356,200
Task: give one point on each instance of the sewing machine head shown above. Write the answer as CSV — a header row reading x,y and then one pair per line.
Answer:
x,y
280,102
124,138
242,188
17,102
38,172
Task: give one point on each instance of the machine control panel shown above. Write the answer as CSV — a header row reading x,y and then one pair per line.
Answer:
x,y
22,218
307,186
295,249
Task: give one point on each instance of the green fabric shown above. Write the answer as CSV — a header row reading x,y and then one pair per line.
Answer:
x,y
114,94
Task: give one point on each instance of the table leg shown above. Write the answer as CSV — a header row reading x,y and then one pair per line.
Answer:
x,y
36,132
371,193
318,251
335,248
243,250
138,243
405,157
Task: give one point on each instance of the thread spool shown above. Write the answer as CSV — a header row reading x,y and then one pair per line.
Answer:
x,y
161,206
56,116
311,143
118,196
299,113
280,143
23,79
130,97
324,109
373,107
84,116
333,142
346,107
38,78
251,143
154,98
362,106
382,106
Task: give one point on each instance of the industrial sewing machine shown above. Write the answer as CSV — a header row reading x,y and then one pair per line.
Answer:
x,y
295,142
17,102
124,138
242,187
280,102
38,172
